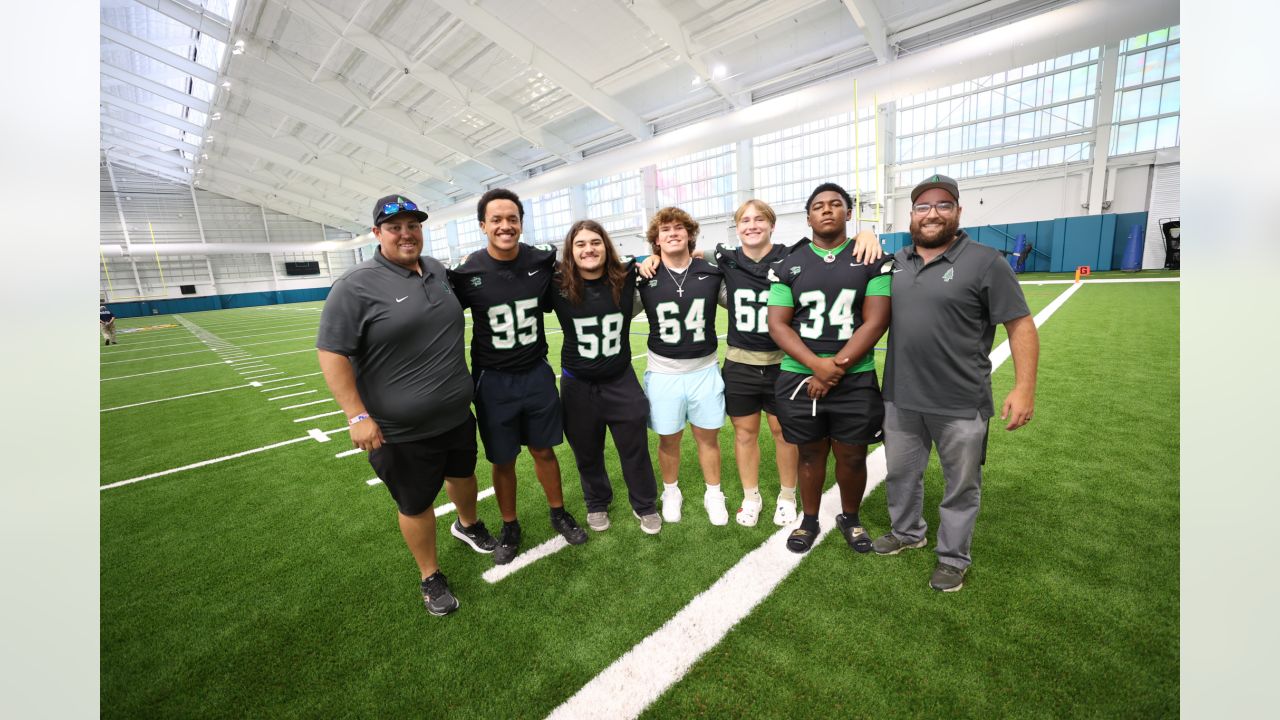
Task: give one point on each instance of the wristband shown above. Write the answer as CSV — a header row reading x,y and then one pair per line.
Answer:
x,y
358,418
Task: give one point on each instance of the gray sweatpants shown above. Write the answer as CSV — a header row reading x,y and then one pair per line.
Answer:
x,y
962,449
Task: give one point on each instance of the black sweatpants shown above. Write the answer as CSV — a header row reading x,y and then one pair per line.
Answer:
x,y
621,406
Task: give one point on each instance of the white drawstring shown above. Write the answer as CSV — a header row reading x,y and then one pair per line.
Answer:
x,y
814,411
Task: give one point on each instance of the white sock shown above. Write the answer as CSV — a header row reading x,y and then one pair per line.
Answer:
x,y
788,494
666,486
713,489
753,495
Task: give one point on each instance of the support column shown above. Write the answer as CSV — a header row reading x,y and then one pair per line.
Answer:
x,y
124,227
649,179
746,171
200,227
451,232
271,258
1102,142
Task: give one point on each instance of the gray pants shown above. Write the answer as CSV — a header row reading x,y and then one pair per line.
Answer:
x,y
962,449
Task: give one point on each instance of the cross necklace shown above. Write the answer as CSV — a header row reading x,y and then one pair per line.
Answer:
x,y
679,283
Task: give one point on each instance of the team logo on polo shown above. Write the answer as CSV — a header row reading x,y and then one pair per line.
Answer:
x,y
950,273
795,270
475,282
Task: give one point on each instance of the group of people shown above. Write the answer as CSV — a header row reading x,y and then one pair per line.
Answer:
x,y
802,319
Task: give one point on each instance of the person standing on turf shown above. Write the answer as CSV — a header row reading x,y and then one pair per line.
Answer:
x,y
681,379
826,312
507,286
390,347
594,299
107,324
949,294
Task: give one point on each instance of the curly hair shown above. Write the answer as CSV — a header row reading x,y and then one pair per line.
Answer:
x,y
671,215
498,194
571,280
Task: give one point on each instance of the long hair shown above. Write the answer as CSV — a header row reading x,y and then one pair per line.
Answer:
x,y
671,215
615,273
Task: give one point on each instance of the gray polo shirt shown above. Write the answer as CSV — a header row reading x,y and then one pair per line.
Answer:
x,y
944,321
404,335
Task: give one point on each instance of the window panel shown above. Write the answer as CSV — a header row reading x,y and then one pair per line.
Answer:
x,y
1167,132
1173,61
1153,70
1150,104
1170,97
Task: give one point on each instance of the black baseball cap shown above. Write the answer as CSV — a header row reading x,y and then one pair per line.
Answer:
x,y
393,205
936,181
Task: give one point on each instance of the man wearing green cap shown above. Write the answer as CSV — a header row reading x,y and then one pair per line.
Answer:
x,y
949,294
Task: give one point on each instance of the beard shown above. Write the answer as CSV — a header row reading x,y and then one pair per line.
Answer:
x,y
950,227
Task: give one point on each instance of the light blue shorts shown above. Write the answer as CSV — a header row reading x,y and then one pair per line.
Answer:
x,y
696,397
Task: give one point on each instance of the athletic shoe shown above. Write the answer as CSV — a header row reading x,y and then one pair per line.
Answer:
x,y
672,499
436,595
651,523
564,524
106,342
477,536
598,521
890,544
785,514
749,513
947,578
508,544
714,503
854,534
801,540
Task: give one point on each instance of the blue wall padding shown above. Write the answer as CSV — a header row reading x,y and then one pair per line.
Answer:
x,y
1124,225
216,302
1133,250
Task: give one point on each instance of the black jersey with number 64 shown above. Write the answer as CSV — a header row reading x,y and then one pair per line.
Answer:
x,y
597,331
507,299
681,308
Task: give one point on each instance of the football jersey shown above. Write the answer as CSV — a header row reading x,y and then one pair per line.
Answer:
x,y
507,299
597,331
681,308
747,285
827,297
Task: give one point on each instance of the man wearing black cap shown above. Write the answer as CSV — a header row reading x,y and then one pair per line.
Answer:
x,y
949,293
391,349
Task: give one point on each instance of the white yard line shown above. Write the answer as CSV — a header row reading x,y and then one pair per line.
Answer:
x,y
281,397
632,682
313,402
1099,280
281,387
175,397
447,508
193,367
349,453
295,377
268,372
313,417
525,559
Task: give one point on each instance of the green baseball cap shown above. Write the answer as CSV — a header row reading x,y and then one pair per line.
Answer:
x,y
936,181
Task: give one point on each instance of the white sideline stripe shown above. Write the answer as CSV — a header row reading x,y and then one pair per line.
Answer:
x,y
317,435
447,508
525,559
175,397
1099,280
281,397
374,481
193,367
347,453
632,682
295,377
251,369
281,387
313,402
260,375
313,417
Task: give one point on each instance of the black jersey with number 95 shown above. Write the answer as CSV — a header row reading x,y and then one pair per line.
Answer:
x,y
507,299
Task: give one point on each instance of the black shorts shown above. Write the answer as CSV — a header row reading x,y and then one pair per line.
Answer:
x,y
851,413
517,409
414,471
748,389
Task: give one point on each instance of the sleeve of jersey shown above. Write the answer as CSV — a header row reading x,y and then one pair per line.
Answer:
x,y
340,321
779,292
881,284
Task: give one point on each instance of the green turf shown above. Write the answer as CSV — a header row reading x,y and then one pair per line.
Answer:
x,y
277,585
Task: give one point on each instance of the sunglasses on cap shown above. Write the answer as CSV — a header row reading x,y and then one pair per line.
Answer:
x,y
392,208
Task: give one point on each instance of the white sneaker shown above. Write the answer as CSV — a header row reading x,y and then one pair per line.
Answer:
x,y
672,499
749,513
714,502
786,512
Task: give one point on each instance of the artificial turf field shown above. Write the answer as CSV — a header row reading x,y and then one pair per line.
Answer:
x,y
276,584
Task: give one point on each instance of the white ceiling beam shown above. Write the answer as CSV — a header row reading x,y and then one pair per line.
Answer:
x,y
949,20
166,172
152,113
356,136
432,79
121,126
159,155
240,143
667,26
221,172
196,18
154,87
517,44
278,205
867,17
155,52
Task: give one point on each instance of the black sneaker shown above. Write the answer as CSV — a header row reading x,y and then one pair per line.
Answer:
x,y
508,544
801,540
436,595
477,536
564,524
854,534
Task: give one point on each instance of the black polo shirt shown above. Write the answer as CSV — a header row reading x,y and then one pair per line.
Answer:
x,y
944,321
404,335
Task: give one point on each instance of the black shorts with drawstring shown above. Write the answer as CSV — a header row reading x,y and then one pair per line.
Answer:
x,y
852,412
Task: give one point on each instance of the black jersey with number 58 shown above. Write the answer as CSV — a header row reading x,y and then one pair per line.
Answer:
x,y
597,331
681,307
507,299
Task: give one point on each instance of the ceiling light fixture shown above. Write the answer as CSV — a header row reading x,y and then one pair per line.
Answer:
x,y
217,116
238,48
718,72
226,84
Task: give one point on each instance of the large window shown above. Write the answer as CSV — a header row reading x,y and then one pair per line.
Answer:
x,y
470,238
616,202
436,238
702,184
791,162
1148,93
549,218
1048,103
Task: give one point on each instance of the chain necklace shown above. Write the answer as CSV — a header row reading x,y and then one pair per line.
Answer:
x,y
829,256
678,283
